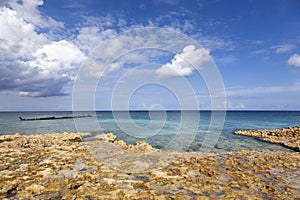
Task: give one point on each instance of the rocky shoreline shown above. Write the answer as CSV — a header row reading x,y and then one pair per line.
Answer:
x,y
63,166
288,137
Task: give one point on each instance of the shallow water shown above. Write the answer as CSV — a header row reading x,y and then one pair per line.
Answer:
x,y
173,130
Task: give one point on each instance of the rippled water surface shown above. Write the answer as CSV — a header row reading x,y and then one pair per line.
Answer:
x,y
171,130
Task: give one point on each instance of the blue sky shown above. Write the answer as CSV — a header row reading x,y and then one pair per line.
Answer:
x,y
47,47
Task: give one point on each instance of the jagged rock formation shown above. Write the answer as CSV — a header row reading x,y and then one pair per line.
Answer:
x,y
62,166
289,137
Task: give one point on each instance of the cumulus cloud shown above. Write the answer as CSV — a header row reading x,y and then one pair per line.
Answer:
x,y
36,62
284,48
53,66
18,38
19,78
134,47
184,64
31,63
57,56
294,60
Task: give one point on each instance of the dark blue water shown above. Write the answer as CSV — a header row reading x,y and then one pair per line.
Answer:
x,y
162,130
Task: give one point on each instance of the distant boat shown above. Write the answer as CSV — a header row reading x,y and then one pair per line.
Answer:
x,y
53,118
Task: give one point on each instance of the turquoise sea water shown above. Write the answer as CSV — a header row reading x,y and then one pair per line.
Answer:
x,y
159,128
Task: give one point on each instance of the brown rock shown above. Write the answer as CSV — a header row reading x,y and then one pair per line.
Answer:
x,y
35,189
30,166
46,173
288,137
106,137
144,146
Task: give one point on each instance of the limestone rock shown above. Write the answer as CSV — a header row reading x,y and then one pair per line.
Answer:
x,y
58,166
121,143
35,189
289,137
46,173
144,147
106,137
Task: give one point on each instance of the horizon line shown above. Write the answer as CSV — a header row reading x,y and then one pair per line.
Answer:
x,y
134,110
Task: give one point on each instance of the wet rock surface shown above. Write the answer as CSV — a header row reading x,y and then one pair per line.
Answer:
x,y
62,166
289,137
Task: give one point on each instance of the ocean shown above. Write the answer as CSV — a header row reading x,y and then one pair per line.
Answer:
x,y
175,130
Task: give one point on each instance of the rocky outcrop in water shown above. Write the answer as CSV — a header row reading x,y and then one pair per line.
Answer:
x,y
289,137
62,166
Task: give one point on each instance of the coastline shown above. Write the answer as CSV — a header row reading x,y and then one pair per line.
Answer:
x,y
64,166
288,137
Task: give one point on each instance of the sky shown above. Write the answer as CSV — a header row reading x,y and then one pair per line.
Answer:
x,y
149,54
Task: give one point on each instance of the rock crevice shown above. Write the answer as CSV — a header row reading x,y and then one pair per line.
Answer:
x,y
63,166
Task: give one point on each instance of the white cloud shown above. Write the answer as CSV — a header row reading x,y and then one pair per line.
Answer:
x,y
31,63
235,106
116,45
263,90
136,46
294,60
175,21
103,22
53,66
36,57
279,49
284,48
29,12
89,37
57,56
115,66
184,64
268,97
17,37
214,43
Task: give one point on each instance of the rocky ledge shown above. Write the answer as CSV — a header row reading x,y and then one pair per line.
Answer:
x,y
62,166
289,137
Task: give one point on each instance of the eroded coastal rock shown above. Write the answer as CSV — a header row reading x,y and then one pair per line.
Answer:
x,y
289,137
62,166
